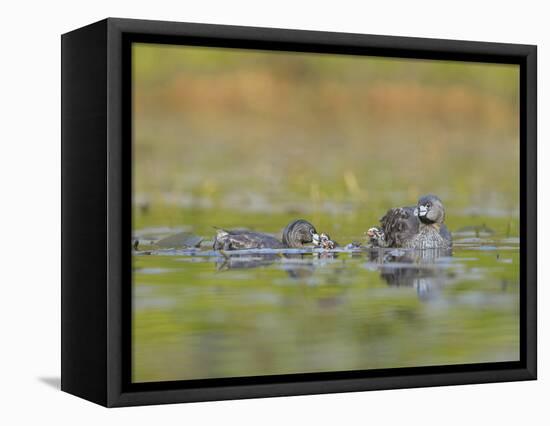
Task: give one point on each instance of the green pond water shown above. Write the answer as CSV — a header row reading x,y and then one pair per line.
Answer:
x,y
201,314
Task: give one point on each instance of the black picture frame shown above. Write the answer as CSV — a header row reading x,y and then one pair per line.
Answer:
x,y
96,219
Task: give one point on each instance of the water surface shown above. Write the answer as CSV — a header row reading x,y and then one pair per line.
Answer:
x,y
204,314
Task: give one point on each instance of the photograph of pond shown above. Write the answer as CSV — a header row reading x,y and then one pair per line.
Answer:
x,y
306,212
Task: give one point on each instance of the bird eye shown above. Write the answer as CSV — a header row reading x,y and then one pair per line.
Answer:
x,y
428,204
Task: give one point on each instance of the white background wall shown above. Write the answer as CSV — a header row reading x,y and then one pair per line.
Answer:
x,y
30,211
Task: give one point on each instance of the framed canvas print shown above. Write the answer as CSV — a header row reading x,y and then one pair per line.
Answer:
x,y
252,212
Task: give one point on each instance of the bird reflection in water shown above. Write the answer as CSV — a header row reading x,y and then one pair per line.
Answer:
x,y
296,265
245,260
425,270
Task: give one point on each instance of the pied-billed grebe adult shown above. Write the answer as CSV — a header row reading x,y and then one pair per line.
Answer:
x,y
419,227
296,234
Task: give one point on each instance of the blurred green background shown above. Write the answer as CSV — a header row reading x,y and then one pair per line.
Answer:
x,y
337,138
235,138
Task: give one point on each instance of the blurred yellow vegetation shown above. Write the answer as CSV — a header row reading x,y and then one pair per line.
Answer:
x,y
272,133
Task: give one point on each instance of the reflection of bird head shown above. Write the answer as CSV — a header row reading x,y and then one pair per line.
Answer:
x,y
299,232
430,210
